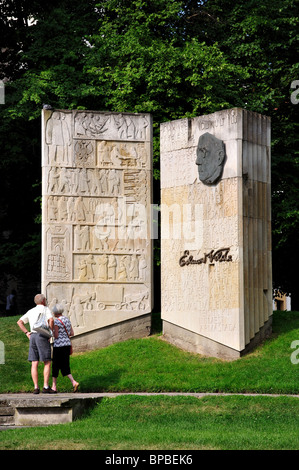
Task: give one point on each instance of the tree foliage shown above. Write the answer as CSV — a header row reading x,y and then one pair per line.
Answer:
x,y
171,58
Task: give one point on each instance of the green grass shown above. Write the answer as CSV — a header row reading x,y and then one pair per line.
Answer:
x,y
152,365
161,422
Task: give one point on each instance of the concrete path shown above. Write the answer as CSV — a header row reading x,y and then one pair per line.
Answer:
x,y
116,394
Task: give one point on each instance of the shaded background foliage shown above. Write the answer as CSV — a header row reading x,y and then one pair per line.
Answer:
x,y
171,58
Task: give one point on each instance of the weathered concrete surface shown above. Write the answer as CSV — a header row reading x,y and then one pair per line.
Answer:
x,y
40,410
134,328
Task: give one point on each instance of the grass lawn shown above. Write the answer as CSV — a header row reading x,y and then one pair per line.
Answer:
x,y
161,422
152,365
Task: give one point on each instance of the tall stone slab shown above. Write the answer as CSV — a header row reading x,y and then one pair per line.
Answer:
x,y
216,232
96,212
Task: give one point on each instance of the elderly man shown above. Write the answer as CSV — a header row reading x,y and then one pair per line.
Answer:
x,y
39,345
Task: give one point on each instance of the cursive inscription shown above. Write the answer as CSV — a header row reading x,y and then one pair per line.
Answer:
x,y
213,256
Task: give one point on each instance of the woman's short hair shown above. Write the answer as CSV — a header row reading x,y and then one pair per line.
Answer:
x,y
57,309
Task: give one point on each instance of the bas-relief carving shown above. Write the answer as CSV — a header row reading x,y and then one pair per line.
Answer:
x,y
105,238
122,154
58,135
121,298
57,247
210,158
131,184
88,305
84,181
60,209
85,153
136,187
110,267
112,126
96,213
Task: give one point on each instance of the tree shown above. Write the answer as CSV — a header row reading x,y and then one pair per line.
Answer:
x,y
262,38
171,58
140,60
41,61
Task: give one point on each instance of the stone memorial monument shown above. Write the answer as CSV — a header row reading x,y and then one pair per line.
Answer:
x,y
216,278
96,211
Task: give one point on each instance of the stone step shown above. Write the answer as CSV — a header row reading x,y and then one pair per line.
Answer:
x,y
7,414
7,420
29,410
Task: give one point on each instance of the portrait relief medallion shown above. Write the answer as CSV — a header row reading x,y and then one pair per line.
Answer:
x,y
210,158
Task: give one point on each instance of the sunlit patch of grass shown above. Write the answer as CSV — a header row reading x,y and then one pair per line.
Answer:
x,y
177,422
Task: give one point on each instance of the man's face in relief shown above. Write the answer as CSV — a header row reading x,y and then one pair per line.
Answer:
x,y
210,158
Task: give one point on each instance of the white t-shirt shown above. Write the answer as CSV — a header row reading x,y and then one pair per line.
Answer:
x,y
32,315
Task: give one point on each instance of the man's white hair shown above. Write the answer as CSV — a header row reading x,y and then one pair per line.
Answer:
x,y
39,299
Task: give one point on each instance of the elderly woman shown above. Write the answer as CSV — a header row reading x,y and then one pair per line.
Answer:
x,y
62,347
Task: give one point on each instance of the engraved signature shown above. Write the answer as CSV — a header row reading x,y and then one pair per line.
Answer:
x,y
213,256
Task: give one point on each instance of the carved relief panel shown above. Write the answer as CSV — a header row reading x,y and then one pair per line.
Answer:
x,y
97,252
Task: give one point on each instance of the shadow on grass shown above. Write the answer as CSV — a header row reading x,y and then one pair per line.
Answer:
x,y
101,383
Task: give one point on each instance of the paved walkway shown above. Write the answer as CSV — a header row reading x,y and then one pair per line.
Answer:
x,y
116,394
